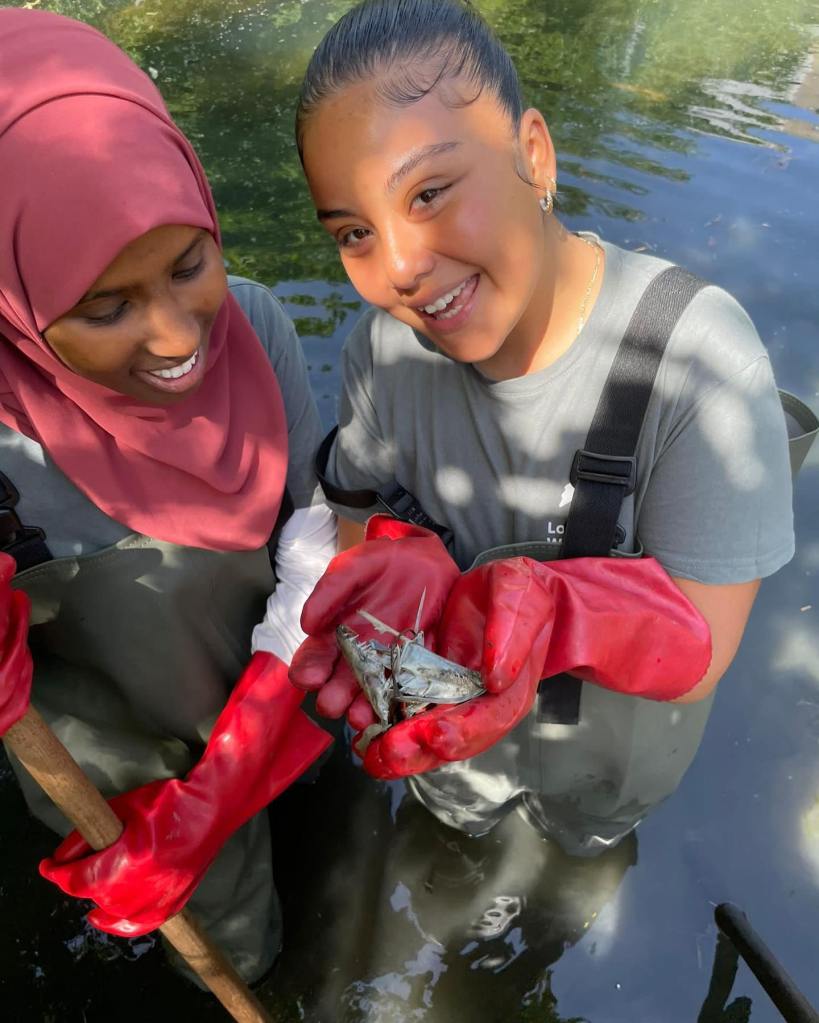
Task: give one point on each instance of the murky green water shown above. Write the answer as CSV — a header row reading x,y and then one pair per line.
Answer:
x,y
689,129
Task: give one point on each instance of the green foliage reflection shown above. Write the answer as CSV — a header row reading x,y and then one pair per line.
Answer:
x,y
620,82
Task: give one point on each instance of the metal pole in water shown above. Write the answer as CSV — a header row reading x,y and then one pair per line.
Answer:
x,y
775,980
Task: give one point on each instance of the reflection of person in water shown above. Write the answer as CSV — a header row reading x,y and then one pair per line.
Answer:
x,y
466,910
554,407
420,921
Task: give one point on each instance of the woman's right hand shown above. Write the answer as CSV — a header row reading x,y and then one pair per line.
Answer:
x,y
385,575
15,658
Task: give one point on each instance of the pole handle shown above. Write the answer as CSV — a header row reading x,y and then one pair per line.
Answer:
x,y
57,773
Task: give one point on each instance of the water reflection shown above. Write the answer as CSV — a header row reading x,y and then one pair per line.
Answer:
x,y
423,922
323,314
684,129
716,1008
621,85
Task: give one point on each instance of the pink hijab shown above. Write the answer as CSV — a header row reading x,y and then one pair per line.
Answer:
x,y
89,161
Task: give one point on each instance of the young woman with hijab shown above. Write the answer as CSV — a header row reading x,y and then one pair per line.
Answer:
x,y
154,416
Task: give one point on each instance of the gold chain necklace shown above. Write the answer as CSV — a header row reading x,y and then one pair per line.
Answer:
x,y
597,252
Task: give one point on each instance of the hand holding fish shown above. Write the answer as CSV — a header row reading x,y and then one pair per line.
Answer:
x,y
446,733
386,572
623,625
465,725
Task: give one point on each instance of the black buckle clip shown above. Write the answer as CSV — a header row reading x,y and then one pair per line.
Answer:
x,y
12,530
10,524
10,495
401,504
10,527
618,469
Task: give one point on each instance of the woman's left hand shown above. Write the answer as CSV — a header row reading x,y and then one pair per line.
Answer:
x,y
446,733
624,625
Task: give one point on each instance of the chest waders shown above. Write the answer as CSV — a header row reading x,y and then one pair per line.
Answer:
x,y
135,650
587,763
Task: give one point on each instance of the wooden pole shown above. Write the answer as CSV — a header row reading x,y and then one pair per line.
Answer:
x,y
57,773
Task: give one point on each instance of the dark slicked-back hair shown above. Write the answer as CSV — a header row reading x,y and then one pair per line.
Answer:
x,y
408,47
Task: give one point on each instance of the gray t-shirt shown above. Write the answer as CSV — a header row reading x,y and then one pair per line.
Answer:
x,y
491,459
73,523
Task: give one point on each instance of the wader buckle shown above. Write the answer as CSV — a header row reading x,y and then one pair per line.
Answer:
x,y
618,469
12,531
401,504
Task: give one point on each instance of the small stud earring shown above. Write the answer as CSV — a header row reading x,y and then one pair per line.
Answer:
x,y
547,202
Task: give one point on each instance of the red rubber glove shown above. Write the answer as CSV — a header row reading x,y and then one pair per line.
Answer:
x,y
624,625
15,658
385,575
448,733
260,744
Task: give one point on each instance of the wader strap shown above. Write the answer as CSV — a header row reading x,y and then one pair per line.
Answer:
x,y
26,544
393,498
286,509
605,470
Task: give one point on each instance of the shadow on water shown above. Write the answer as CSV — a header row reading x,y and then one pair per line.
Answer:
x,y
688,130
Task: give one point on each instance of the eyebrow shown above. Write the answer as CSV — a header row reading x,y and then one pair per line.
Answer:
x,y
411,161
416,157
333,214
111,292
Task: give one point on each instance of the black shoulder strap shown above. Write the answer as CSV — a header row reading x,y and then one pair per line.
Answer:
x,y
286,509
605,470
393,498
26,544
347,498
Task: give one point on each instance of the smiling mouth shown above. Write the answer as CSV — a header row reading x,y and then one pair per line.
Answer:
x,y
447,306
175,372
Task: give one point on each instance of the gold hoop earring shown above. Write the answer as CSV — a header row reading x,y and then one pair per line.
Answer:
x,y
547,202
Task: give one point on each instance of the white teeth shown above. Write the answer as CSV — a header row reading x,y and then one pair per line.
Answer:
x,y
177,371
450,313
444,300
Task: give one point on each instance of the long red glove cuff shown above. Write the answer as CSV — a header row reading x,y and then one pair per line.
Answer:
x,y
15,658
622,624
174,829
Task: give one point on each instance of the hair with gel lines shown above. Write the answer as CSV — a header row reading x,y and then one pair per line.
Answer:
x,y
409,47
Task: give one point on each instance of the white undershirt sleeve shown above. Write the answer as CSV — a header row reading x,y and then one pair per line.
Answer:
x,y
306,544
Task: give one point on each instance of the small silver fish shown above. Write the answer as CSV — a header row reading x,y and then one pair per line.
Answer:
x,y
370,661
423,677
404,676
